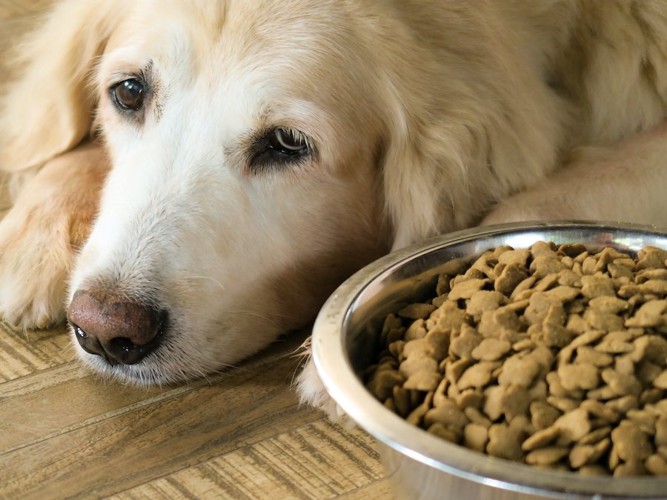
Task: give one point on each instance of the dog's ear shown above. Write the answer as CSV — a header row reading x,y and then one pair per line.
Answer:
x,y
49,108
424,173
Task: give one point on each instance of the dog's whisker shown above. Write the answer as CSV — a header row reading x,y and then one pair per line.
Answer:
x,y
207,278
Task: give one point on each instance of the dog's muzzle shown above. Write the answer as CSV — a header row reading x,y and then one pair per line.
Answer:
x,y
119,330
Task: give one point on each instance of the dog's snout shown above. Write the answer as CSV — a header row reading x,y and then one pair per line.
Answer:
x,y
121,331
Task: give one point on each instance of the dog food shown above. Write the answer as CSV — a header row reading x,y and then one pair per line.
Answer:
x,y
553,356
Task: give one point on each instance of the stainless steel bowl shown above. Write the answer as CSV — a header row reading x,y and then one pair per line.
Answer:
x,y
420,465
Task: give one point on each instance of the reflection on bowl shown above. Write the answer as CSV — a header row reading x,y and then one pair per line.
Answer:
x,y
420,465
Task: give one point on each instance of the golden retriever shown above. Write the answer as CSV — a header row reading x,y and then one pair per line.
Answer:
x,y
192,178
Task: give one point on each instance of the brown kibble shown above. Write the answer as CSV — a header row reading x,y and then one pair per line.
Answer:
x,y
382,383
470,398
418,348
491,349
650,348
454,369
563,404
515,401
466,289
502,319
448,415
541,438
437,429
545,264
475,437
599,320
519,370
484,300
416,416
628,469
542,414
589,355
597,286
609,304
416,311
578,376
553,356
654,286
462,345
623,404
477,417
651,257
650,314
602,393
538,307
643,419
622,385
504,442
450,317
416,364
573,425
582,455
656,465
416,330
595,436
511,275
523,290
546,456
422,381
514,257
478,375
438,341
563,294
661,380
402,403
555,335
630,442
661,431
493,405
600,410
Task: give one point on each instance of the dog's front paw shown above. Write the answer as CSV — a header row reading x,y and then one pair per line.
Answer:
x,y
41,233
34,262
311,391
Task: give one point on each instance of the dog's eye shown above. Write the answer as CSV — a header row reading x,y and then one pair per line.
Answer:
x,y
280,146
287,142
129,94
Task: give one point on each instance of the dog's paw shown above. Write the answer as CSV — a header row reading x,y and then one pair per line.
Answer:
x,y
35,258
41,234
311,391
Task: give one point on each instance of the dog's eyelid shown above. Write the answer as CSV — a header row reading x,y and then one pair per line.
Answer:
x,y
278,147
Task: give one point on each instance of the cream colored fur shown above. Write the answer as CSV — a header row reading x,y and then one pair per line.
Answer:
x,y
423,117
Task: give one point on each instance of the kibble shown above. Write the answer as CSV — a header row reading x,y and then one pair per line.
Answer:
x,y
554,356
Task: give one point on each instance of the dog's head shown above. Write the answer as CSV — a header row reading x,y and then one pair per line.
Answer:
x,y
255,148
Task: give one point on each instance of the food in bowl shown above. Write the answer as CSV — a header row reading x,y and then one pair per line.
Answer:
x,y
552,355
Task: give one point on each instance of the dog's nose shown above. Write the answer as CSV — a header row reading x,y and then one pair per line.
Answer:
x,y
119,330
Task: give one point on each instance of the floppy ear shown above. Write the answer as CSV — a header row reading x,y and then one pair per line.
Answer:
x,y
49,108
426,173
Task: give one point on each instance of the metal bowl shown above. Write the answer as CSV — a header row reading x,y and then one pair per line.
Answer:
x,y
421,465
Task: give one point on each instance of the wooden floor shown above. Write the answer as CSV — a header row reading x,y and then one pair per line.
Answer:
x,y
67,434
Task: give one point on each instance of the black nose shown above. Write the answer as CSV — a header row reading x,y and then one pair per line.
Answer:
x,y
121,331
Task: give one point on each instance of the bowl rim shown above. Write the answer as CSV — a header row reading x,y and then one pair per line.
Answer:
x,y
343,385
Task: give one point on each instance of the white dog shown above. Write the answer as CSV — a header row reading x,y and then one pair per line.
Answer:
x,y
193,177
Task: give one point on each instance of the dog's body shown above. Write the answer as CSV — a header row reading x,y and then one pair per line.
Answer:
x,y
257,153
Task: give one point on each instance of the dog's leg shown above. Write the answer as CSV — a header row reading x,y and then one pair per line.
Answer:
x,y
41,233
626,182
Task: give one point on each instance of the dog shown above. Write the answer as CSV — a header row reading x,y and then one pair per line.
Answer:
x,y
193,178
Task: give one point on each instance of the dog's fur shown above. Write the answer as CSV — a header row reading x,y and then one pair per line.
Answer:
x,y
421,117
